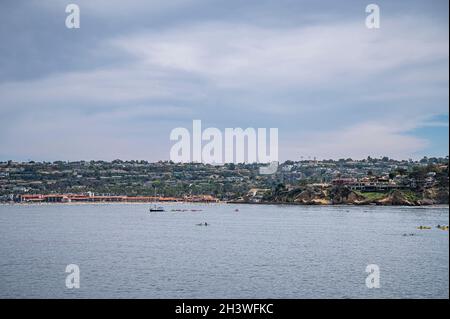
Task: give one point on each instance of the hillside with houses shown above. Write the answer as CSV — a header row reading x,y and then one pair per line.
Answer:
x,y
381,181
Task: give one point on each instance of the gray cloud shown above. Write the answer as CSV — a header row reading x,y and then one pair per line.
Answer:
x,y
133,72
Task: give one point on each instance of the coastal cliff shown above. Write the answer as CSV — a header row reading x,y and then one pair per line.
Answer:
x,y
343,195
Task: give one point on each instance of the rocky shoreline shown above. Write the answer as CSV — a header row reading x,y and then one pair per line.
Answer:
x,y
310,195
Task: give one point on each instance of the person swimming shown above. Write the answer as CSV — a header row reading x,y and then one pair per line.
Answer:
x,y
203,224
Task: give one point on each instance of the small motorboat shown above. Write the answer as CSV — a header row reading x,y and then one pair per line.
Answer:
x,y
156,209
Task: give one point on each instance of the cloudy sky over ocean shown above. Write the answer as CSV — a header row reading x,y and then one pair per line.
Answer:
x,y
116,87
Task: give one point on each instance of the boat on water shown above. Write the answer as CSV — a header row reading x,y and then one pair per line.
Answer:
x,y
155,208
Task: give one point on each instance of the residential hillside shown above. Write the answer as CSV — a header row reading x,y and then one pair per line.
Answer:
x,y
381,181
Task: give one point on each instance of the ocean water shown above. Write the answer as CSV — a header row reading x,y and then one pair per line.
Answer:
x,y
123,251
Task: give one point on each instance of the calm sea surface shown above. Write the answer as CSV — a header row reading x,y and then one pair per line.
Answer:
x,y
123,251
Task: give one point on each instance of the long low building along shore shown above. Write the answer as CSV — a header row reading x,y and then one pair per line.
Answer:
x,y
67,198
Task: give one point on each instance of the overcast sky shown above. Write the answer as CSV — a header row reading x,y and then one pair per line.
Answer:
x,y
135,70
